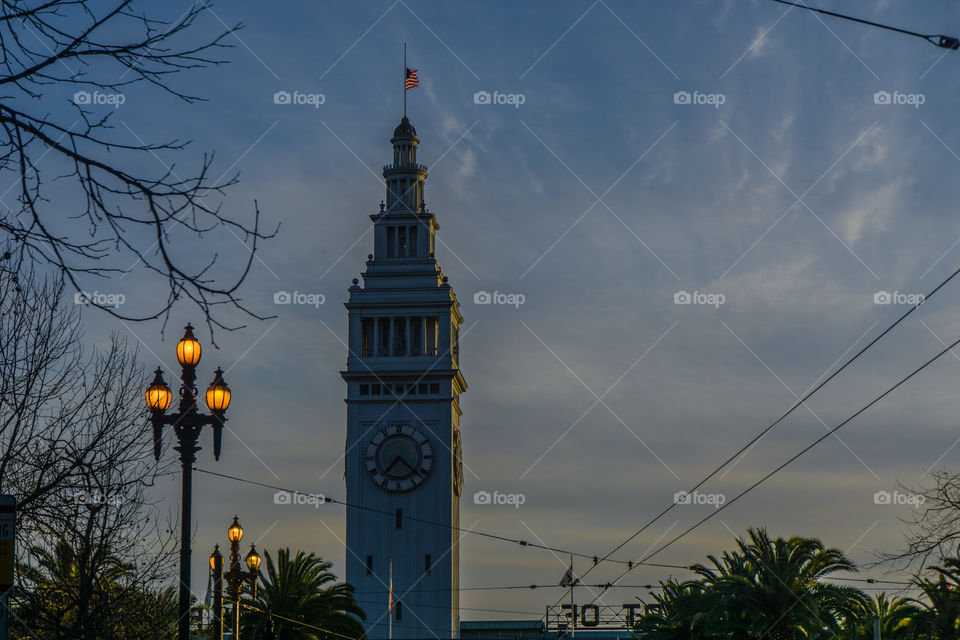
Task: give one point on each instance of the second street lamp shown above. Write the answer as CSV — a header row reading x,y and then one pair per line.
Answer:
x,y
187,423
216,566
236,576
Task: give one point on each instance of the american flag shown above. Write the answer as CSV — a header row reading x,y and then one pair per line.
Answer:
x,y
411,80
390,605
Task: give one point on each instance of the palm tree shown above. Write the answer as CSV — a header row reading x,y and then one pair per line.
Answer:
x,y
680,612
896,617
771,589
69,593
939,615
303,589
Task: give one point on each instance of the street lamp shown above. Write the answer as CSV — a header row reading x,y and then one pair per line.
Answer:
x,y
236,576
187,423
216,566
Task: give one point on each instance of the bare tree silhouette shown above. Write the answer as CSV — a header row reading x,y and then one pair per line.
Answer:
x,y
80,202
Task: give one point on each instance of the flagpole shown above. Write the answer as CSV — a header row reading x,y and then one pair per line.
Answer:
x,y
573,607
404,79
391,559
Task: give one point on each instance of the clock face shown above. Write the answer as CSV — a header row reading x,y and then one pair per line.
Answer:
x,y
398,457
457,463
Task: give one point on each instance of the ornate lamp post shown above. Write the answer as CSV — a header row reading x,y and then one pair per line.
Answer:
x,y
216,566
187,423
236,576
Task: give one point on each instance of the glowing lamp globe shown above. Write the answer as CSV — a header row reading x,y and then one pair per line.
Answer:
x,y
188,349
235,532
215,558
253,560
158,393
218,393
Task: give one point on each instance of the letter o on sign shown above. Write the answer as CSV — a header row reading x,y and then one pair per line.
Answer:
x,y
596,615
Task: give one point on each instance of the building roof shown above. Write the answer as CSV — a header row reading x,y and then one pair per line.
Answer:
x,y
501,624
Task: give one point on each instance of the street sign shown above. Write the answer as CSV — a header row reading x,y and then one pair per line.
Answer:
x,y
8,514
8,523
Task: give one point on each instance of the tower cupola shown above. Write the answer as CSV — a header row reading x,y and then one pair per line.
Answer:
x,y
404,176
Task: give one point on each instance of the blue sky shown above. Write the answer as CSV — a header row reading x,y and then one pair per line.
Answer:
x,y
599,198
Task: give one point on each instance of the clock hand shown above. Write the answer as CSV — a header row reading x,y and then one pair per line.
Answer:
x,y
390,466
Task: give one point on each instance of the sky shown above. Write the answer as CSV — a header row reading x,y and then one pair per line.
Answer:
x,y
791,176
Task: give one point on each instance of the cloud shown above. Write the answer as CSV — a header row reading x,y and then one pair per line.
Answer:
x,y
871,213
761,42
468,164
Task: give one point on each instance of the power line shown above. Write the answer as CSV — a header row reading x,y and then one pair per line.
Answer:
x,y
795,456
871,580
518,541
299,622
606,585
944,42
579,582
800,401
441,606
524,586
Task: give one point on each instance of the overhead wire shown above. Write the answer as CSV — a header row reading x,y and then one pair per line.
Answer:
x,y
942,41
792,458
799,402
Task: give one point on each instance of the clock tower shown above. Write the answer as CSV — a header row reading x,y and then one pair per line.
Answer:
x,y
403,461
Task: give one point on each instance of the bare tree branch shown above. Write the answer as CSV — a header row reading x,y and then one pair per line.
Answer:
x,y
104,214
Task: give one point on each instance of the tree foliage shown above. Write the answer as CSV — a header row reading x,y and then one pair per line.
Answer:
x,y
301,587
76,455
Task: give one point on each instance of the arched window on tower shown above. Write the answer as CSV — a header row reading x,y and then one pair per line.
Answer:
x,y
430,346
399,336
384,333
412,242
368,337
416,336
455,343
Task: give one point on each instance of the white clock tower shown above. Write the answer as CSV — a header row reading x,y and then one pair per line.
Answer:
x,y
403,460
